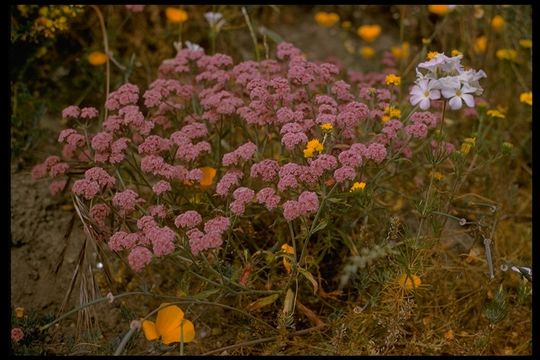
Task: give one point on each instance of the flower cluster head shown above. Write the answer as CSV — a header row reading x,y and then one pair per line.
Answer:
x,y
445,76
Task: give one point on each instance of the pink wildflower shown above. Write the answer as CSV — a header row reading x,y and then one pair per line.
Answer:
x,y
139,257
344,173
243,152
87,188
71,112
17,334
189,219
99,213
126,200
57,186
161,186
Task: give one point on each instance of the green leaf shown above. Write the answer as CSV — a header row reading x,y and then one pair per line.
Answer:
x,y
205,294
310,277
262,302
275,37
322,224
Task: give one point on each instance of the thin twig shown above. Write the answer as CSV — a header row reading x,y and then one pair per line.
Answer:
x,y
107,63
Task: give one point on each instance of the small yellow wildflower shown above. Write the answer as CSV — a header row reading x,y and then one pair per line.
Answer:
x,y
436,175
409,282
208,176
426,41
456,52
497,23
402,51
170,326
506,148
465,148
480,44
526,98
97,58
358,186
496,114
326,19
19,312
439,9
326,127
392,79
175,15
286,263
506,54
430,55
392,112
525,43
367,52
313,146
467,145
369,32
346,25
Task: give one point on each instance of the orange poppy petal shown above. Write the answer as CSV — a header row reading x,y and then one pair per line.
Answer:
x,y
188,331
149,329
168,318
173,336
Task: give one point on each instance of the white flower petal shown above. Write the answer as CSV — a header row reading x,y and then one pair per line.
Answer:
x,y
469,100
455,103
424,104
448,93
434,94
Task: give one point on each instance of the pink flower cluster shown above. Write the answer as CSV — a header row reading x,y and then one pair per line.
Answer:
x,y
243,152
126,201
307,203
241,196
188,220
212,237
95,180
228,181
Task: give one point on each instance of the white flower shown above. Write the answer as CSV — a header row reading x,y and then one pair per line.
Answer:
x,y
215,20
443,63
423,92
472,78
192,46
458,95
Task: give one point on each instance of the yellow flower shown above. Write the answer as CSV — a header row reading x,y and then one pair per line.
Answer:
x,y
326,19
465,148
456,52
97,58
430,55
436,175
426,41
409,282
525,43
289,250
392,112
346,25
496,114
208,176
367,52
175,15
170,326
392,79
327,127
439,9
497,23
312,147
19,312
401,52
480,44
357,186
369,32
506,54
526,98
